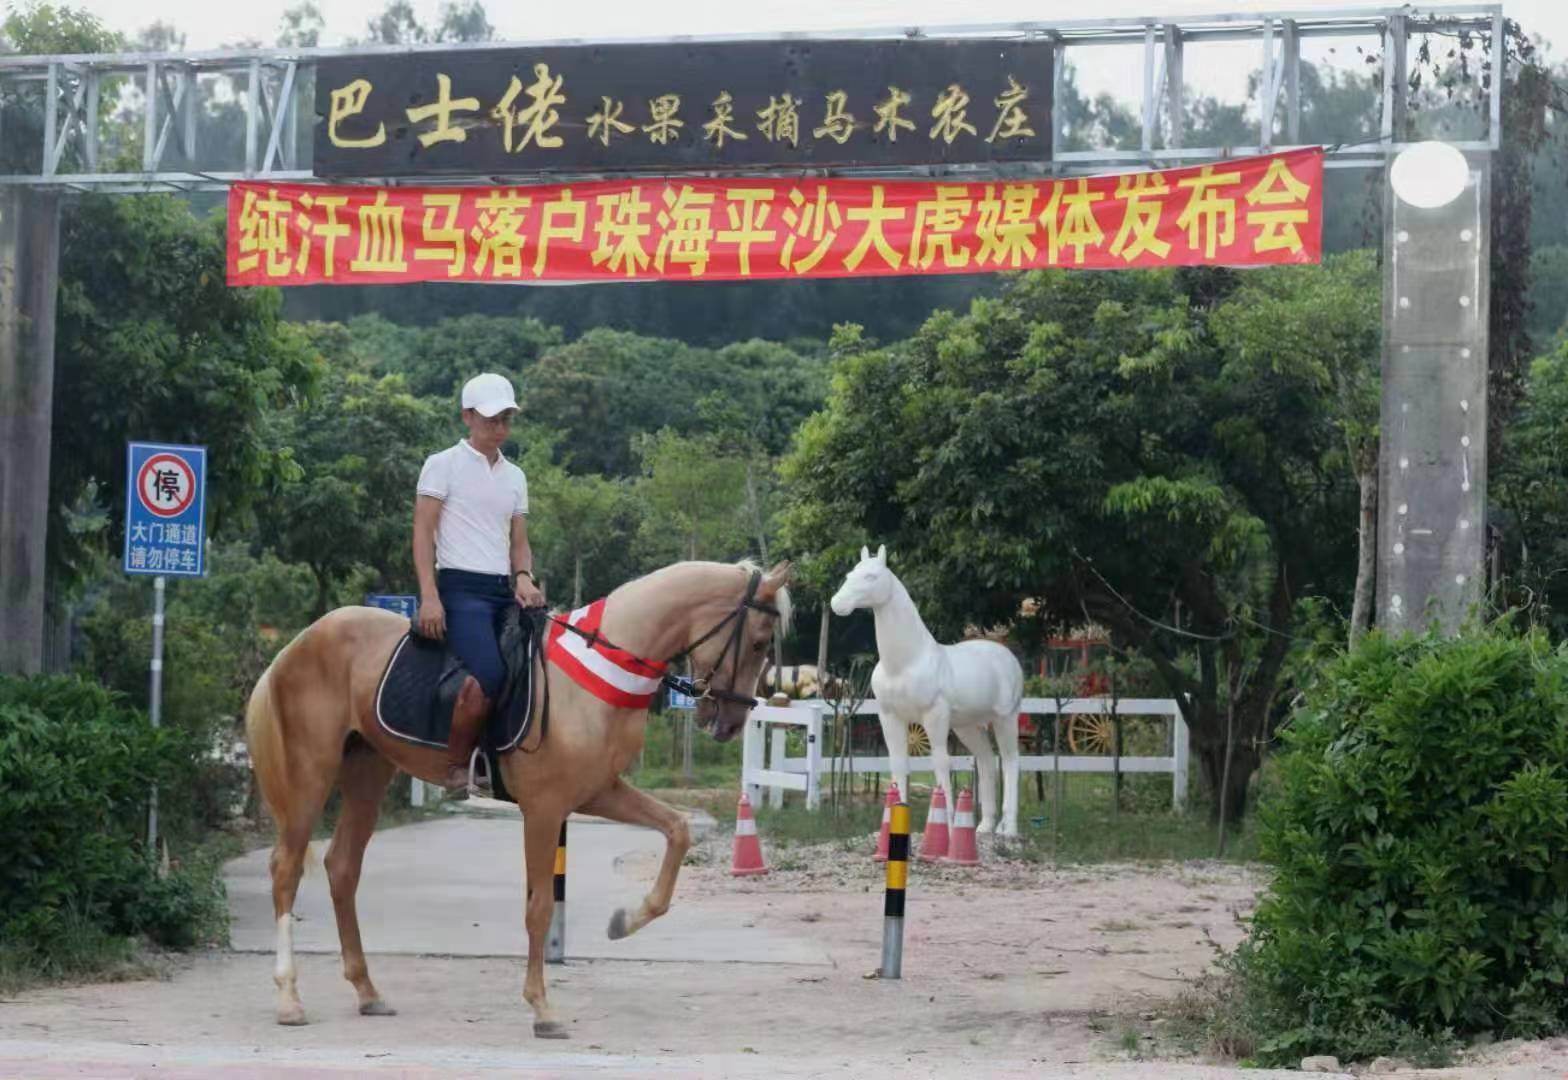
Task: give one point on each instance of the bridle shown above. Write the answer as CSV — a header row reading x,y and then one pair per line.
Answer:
x,y
701,687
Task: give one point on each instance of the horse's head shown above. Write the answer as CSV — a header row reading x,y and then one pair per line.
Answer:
x,y
726,665
869,584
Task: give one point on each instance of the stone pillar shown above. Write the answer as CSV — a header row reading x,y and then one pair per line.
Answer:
x,y
1432,472
29,280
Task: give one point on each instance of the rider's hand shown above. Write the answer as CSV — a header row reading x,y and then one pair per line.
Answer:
x,y
528,594
432,618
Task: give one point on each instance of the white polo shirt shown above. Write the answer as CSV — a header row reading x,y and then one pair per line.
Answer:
x,y
478,502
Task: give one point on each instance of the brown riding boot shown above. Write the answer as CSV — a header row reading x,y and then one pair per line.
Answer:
x,y
468,720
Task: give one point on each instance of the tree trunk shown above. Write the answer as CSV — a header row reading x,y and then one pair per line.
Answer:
x,y
754,505
822,650
323,591
1366,556
1230,792
577,581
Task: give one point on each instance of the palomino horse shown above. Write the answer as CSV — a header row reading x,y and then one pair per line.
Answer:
x,y
969,688
310,726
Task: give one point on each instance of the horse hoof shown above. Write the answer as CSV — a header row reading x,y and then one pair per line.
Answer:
x,y
549,1029
377,1008
618,925
294,1017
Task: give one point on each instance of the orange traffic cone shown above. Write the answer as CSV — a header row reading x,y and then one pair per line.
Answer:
x,y
963,851
747,859
933,842
893,800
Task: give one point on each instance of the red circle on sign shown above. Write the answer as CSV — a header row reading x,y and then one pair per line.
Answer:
x,y
186,480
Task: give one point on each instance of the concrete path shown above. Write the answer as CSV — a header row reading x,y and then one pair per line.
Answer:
x,y
454,887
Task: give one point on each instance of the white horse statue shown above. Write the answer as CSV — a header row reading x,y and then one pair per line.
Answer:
x,y
967,688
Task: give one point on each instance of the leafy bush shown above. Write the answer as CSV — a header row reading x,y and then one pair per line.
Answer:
x,y
75,766
1420,831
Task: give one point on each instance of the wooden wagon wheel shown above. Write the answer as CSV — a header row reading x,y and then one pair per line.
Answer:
x,y
1091,733
919,741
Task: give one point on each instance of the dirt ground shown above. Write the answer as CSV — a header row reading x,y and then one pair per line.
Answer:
x,y
1010,969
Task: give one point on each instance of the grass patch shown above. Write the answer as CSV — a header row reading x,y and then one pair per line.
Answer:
x,y
670,777
1229,1014
794,824
1087,833
1090,831
81,952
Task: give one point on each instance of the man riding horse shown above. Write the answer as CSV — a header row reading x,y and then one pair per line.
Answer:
x,y
312,724
472,557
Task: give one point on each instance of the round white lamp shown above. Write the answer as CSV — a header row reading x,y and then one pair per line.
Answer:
x,y
1429,175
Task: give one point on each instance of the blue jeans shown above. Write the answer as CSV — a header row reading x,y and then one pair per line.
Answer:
x,y
474,605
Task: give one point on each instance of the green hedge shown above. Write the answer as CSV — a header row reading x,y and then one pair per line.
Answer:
x,y
1420,835
75,767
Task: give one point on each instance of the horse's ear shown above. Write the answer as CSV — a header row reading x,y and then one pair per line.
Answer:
x,y
882,554
781,575
865,553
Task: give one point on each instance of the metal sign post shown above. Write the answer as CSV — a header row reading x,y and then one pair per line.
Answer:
x,y
165,536
155,699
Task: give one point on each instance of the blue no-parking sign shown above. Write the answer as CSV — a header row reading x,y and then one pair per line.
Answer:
x,y
165,499
403,605
679,700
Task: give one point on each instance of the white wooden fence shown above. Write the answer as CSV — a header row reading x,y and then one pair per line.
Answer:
x,y
766,763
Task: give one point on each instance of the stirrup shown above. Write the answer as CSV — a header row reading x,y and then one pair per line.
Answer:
x,y
479,780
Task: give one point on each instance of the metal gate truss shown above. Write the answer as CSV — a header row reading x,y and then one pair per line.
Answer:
x,y
277,86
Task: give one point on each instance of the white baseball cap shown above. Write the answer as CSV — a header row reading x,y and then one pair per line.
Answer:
x,y
488,394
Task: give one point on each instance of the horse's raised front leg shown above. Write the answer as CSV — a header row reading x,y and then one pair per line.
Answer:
x,y
979,744
540,833
624,803
363,780
895,736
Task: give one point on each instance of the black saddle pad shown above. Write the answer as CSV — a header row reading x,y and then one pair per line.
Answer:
x,y
420,685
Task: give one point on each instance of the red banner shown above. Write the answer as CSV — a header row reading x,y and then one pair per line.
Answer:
x,y
1256,211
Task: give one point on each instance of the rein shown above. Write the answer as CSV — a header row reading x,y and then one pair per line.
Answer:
x,y
701,687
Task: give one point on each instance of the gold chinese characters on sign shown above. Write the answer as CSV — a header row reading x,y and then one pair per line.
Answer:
x,y
694,105
529,115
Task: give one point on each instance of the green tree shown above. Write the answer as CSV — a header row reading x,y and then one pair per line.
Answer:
x,y
152,344
438,359
1531,488
46,28
464,22
301,26
396,25
458,20
359,445
1087,439
694,498
585,514
1322,326
608,386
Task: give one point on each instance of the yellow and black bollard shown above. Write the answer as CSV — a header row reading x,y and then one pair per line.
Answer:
x,y
555,941
897,882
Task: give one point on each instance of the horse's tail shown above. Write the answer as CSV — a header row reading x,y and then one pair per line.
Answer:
x,y
264,739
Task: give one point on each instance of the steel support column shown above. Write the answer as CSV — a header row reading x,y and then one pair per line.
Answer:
x,y
1432,490
29,278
